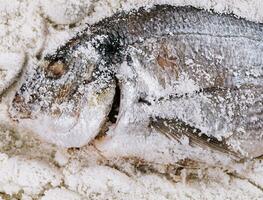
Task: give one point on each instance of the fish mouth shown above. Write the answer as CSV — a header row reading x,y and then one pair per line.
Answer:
x,y
39,121
65,131
19,109
68,129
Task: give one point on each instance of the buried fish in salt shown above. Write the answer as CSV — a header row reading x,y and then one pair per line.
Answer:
x,y
194,73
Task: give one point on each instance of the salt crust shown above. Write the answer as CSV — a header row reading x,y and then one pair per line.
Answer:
x,y
33,169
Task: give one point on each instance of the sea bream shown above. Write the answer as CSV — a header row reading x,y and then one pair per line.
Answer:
x,y
189,72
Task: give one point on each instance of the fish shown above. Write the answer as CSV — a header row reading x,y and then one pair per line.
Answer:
x,y
185,67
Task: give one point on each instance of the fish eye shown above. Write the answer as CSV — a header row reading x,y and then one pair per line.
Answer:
x,y
55,69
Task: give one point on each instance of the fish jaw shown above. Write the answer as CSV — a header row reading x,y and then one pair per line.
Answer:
x,y
67,130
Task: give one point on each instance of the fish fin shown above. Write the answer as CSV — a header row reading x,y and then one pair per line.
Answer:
x,y
175,128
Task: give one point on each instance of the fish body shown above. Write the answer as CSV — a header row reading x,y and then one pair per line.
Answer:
x,y
199,67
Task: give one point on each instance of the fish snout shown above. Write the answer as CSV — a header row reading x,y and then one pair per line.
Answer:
x,y
19,109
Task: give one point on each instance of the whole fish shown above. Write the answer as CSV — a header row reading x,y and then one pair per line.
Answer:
x,y
192,72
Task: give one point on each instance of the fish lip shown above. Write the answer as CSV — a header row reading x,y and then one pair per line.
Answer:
x,y
19,112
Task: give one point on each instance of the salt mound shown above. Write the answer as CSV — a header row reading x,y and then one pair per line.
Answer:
x,y
10,66
64,11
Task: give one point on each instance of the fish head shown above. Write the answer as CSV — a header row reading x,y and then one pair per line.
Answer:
x,y
61,101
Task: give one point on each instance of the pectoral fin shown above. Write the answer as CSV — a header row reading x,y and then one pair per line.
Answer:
x,y
175,128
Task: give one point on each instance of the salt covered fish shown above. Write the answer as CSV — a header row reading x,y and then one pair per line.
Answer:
x,y
186,67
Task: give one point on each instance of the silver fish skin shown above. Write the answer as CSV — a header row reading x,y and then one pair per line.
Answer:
x,y
226,94
79,78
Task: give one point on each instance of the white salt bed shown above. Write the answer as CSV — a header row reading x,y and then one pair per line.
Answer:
x,y
31,175
123,166
21,28
65,11
60,193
